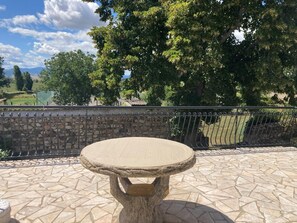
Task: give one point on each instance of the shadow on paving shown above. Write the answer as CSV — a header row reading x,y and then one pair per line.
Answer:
x,y
177,211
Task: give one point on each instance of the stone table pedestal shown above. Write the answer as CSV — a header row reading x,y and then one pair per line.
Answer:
x,y
4,211
140,201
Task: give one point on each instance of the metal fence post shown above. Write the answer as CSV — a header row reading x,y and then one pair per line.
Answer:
x,y
235,134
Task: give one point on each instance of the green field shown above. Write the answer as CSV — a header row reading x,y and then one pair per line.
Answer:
x,y
228,130
37,86
20,98
15,97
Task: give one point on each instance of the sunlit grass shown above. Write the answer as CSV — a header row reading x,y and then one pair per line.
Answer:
x,y
228,130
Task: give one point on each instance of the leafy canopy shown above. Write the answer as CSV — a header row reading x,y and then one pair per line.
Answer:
x,y
28,82
19,80
3,80
190,46
66,74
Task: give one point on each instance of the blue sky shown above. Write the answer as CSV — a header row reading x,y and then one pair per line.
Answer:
x,y
33,30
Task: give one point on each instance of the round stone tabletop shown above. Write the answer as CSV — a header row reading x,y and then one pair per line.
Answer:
x,y
137,157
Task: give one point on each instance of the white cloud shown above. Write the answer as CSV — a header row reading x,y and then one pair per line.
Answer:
x,y
70,21
6,50
2,7
54,42
70,14
19,20
44,48
14,56
24,19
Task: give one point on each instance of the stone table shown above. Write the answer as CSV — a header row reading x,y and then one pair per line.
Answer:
x,y
4,211
122,158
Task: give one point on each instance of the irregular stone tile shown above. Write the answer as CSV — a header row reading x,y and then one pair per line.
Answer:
x,y
193,197
175,208
223,207
203,200
12,194
233,215
81,212
232,203
218,193
97,201
64,216
51,216
110,207
105,219
169,218
206,218
17,207
287,205
248,218
87,219
270,212
252,209
232,191
98,213
42,212
186,216
27,211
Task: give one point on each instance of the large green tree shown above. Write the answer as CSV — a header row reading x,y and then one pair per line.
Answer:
x,y
28,82
3,80
134,40
66,74
190,45
19,81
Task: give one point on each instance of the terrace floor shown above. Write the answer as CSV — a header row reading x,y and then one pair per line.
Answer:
x,y
224,186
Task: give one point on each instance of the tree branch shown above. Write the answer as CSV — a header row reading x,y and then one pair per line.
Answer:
x,y
235,26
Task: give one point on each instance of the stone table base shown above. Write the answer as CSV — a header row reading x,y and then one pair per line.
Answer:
x,y
4,211
140,201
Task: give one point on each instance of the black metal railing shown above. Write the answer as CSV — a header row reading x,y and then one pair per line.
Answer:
x,y
37,131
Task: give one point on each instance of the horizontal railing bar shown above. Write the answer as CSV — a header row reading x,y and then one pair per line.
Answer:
x,y
144,107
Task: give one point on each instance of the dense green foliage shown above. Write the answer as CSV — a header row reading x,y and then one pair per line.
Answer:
x,y
19,80
3,80
66,74
190,47
28,82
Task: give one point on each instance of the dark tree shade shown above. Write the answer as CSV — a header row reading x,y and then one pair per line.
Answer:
x,y
3,80
28,82
19,81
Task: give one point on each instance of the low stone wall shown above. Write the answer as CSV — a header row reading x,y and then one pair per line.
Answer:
x,y
65,131
68,132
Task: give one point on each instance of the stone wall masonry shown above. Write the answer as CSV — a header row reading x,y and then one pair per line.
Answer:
x,y
70,131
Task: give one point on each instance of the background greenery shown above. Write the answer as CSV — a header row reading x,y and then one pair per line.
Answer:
x,y
185,52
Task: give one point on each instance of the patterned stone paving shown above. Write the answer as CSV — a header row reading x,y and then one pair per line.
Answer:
x,y
243,187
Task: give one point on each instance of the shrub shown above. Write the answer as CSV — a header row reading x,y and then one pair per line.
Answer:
x,y
262,118
5,146
4,153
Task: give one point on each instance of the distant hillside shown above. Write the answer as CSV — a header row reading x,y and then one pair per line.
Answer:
x,y
35,71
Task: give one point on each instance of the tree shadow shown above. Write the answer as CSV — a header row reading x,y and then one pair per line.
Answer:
x,y
13,220
177,211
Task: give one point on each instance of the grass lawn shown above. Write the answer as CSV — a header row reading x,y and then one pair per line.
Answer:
x,y
224,131
20,98
37,86
15,97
